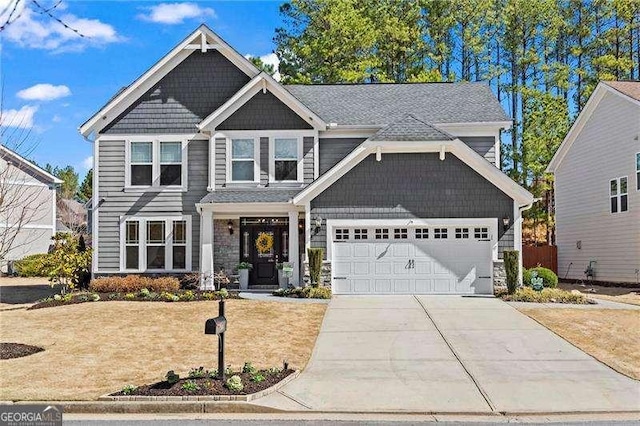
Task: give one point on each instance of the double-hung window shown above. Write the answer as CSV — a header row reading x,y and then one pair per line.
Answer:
x,y
286,160
156,164
141,163
156,244
618,193
243,160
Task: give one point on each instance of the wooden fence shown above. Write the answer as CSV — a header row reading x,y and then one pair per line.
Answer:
x,y
546,256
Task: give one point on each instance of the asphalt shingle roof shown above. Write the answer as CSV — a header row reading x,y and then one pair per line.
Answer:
x,y
382,104
254,195
410,128
629,88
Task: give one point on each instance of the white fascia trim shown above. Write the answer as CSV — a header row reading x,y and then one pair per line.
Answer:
x,y
247,209
456,147
262,81
576,128
29,165
346,133
95,208
121,102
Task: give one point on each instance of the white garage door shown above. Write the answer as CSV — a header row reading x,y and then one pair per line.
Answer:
x,y
412,260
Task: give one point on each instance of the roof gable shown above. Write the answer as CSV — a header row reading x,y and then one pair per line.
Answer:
x,y
409,128
202,39
601,90
27,166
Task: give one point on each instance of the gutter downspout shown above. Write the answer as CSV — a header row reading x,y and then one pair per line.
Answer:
x,y
522,209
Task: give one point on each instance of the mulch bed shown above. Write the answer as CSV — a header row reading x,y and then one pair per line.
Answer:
x,y
108,297
17,350
208,386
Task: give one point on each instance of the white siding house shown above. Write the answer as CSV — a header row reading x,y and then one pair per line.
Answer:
x,y
597,187
27,208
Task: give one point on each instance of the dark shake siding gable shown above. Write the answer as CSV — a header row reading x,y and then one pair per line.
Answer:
x,y
483,145
413,186
183,98
118,203
264,112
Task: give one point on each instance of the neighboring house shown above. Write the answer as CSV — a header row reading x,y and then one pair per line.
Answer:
x,y
205,161
27,208
72,216
597,187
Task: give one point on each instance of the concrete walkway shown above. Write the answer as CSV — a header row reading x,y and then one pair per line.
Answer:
x,y
448,354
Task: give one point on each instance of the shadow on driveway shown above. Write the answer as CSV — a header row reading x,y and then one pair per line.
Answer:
x,y
21,294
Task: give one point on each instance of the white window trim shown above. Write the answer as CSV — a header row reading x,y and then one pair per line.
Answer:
x,y
142,246
256,158
155,168
619,195
272,158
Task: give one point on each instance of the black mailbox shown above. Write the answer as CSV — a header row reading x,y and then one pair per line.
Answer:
x,y
217,325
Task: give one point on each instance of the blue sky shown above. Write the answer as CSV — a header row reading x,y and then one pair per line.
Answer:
x,y
54,80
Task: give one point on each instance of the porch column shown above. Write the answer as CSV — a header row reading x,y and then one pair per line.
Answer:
x,y
206,250
294,255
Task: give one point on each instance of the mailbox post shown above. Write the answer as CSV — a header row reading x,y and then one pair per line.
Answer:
x,y
218,326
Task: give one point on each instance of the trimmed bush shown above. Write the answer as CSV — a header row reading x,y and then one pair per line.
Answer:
x,y
315,255
31,266
549,278
134,284
234,383
547,295
317,292
511,265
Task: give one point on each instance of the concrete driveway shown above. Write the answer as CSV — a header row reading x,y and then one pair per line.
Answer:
x,y
448,354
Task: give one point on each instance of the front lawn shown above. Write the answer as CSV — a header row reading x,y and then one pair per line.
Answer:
x,y
610,335
93,349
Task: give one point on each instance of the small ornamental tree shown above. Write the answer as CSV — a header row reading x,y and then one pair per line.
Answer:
x,y
66,262
315,265
511,266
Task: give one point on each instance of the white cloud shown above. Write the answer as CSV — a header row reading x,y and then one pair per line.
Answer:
x,y
87,163
44,92
175,13
271,59
39,31
56,118
22,117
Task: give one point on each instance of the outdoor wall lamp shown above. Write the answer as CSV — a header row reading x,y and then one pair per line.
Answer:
x,y
230,227
317,225
505,223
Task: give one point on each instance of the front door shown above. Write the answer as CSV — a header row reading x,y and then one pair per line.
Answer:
x,y
264,243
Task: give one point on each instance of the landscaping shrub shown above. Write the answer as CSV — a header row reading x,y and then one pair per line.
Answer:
x,y
172,377
197,373
315,255
190,386
234,383
82,274
31,266
511,265
128,389
549,278
547,295
134,284
249,368
305,292
257,378
66,265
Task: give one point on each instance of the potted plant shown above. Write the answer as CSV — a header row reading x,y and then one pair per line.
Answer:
x,y
243,272
284,273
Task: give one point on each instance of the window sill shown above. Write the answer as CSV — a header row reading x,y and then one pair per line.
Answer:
x,y
141,189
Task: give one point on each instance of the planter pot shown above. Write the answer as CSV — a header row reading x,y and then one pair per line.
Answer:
x,y
283,282
243,278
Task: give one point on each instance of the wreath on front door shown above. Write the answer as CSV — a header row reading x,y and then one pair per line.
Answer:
x,y
264,242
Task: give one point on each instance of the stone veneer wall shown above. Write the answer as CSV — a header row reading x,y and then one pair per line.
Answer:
x,y
226,248
325,275
499,275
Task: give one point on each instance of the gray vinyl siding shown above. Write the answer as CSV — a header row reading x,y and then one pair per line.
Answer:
x,y
307,159
483,145
413,186
117,203
332,150
264,161
220,162
264,112
183,98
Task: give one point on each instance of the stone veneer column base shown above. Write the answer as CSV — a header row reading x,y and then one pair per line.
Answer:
x,y
325,276
226,247
499,275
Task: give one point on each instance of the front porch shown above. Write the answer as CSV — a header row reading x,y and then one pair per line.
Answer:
x,y
264,236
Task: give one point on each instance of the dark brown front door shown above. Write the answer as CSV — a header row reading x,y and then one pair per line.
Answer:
x,y
264,243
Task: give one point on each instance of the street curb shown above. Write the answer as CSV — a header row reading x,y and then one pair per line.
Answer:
x,y
208,398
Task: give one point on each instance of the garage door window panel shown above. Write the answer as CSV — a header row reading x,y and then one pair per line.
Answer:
x,y
342,234
422,233
462,233
440,233
481,233
400,233
382,234
359,234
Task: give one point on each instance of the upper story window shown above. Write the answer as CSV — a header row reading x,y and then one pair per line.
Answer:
x,y
156,164
243,167
286,159
638,171
618,195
